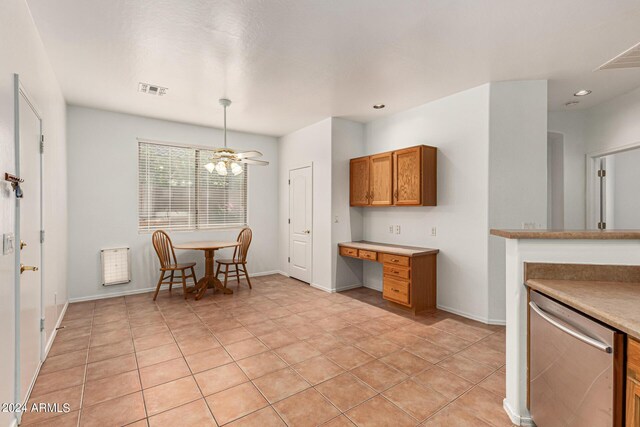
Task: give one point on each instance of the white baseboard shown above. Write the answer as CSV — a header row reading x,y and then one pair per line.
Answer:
x,y
472,316
516,419
347,287
322,288
145,290
55,330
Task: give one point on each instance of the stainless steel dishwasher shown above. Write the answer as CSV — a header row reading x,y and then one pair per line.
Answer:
x,y
575,367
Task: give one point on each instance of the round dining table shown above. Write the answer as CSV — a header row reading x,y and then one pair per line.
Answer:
x,y
209,280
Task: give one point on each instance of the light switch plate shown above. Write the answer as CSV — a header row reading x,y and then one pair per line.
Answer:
x,y
8,243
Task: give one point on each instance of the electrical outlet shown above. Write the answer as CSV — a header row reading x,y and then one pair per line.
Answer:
x,y
433,231
397,229
391,229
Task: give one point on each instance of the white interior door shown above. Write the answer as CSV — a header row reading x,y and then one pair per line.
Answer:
x,y
300,223
30,301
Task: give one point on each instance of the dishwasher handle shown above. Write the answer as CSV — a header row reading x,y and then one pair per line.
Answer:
x,y
555,322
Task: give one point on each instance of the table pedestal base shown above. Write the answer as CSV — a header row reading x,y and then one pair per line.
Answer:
x,y
210,283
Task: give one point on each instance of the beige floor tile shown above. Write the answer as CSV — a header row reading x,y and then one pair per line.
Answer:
x,y
261,364
445,340
378,375
484,354
104,338
307,408
377,347
58,380
111,387
495,383
76,344
152,341
280,384
278,339
208,359
236,402
317,369
71,396
246,348
379,412
194,414
220,378
296,352
348,357
233,335
406,362
197,345
484,405
104,352
418,401
116,412
164,372
171,395
158,354
444,382
266,417
110,367
325,342
146,330
346,391
339,421
429,351
58,420
466,368
64,361
453,416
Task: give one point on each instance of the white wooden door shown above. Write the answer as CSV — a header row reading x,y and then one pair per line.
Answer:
x,y
30,335
300,223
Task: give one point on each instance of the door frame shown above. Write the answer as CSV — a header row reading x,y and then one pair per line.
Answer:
x,y
21,93
302,166
592,197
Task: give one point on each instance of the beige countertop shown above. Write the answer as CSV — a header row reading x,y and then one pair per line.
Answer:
x,y
615,303
411,251
568,234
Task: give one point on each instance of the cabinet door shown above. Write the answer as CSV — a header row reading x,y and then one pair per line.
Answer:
x,y
407,176
381,167
633,404
359,181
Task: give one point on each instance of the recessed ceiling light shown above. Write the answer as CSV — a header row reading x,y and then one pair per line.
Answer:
x,y
582,92
379,106
571,103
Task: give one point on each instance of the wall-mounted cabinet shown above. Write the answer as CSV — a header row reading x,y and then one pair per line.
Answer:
x,y
406,177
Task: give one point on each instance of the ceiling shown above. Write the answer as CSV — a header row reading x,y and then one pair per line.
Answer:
x,y
287,64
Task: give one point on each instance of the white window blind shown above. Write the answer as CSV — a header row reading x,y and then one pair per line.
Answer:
x,y
176,192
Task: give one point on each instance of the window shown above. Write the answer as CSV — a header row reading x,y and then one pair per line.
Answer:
x,y
176,192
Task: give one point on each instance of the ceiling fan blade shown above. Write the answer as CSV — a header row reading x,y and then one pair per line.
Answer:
x,y
253,162
248,154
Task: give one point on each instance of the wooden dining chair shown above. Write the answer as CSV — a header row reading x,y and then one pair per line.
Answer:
x,y
239,260
169,264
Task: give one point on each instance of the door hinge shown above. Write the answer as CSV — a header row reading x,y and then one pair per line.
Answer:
x,y
42,324
41,236
288,259
602,173
602,226
42,143
289,221
289,182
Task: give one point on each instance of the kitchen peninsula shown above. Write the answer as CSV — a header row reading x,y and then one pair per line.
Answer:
x,y
570,266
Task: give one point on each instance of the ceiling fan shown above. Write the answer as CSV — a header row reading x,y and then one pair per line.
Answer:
x,y
227,158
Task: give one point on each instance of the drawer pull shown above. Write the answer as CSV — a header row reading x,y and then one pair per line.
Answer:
x,y
395,290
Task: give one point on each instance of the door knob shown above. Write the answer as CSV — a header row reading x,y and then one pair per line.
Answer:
x,y
24,268
307,231
22,244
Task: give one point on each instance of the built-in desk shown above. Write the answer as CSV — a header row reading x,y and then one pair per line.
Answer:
x,y
409,273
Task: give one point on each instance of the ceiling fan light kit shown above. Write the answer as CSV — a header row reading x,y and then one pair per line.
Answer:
x,y
225,159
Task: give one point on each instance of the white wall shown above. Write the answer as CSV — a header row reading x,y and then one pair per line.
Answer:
x,y
103,211
555,180
459,126
347,142
517,171
311,144
22,52
571,124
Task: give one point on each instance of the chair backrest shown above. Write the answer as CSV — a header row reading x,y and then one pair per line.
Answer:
x,y
244,238
164,248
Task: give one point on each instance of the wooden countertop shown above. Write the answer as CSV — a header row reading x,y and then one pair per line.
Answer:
x,y
614,303
410,251
568,234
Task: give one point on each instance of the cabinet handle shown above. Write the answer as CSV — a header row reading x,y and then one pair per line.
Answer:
x,y
395,290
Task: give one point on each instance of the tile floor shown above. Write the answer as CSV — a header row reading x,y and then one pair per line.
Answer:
x,y
280,354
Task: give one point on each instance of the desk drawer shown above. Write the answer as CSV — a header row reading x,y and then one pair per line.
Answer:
x,y
396,290
633,358
395,259
396,271
373,256
352,252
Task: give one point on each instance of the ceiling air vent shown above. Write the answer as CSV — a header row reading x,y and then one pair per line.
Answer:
x,y
152,89
628,59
